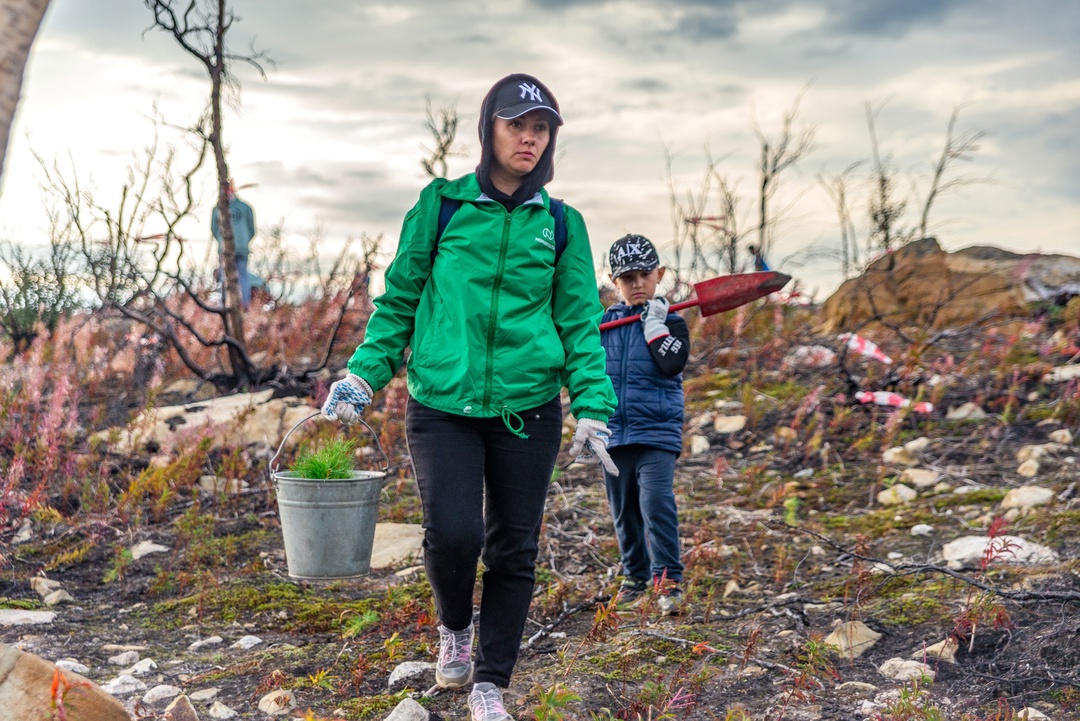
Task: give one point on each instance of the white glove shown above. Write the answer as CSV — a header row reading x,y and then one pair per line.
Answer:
x,y
347,400
654,318
590,444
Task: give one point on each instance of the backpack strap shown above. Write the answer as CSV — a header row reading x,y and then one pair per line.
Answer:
x,y
557,212
449,206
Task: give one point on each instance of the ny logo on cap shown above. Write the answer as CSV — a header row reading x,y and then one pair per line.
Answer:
x,y
532,91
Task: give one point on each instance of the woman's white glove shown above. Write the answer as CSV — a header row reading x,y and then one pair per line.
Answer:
x,y
654,318
347,400
590,444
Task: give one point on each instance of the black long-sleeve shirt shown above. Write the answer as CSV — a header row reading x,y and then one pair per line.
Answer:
x,y
671,352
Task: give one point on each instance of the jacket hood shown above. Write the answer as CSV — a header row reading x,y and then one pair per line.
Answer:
x,y
544,171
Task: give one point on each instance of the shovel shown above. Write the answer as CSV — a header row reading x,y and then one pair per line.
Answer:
x,y
724,293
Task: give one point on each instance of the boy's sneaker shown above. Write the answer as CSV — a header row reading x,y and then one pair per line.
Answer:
x,y
670,601
486,703
454,668
630,592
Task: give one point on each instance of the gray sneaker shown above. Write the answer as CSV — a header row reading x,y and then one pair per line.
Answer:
x,y
454,668
670,602
486,703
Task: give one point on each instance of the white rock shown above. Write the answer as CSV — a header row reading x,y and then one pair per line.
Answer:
x,y
967,551
856,689
204,694
1037,451
918,445
1030,714
181,710
70,664
698,445
203,643
145,548
897,494
899,669
920,477
922,529
1062,373
246,643
966,412
142,668
43,586
24,534
1026,497
125,658
58,597
19,617
1029,468
852,639
123,685
786,434
809,356
396,543
943,650
898,456
409,710
221,711
1062,436
160,694
729,424
277,703
408,670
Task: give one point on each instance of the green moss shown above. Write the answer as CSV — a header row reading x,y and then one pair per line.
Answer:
x,y
1061,526
785,391
979,495
21,604
909,610
369,707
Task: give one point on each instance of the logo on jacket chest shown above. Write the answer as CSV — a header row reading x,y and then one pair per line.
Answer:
x,y
548,240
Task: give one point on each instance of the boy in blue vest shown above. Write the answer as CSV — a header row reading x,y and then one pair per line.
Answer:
x,y
645,362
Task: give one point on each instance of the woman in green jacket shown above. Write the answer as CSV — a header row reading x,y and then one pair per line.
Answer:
x,y
498,321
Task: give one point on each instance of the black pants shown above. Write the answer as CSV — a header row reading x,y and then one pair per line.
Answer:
x,y
483,491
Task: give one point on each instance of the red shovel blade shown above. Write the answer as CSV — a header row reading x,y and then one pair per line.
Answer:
x,y
730,291
724,293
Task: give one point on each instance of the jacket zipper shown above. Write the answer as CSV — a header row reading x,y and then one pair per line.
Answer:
x,y
490,369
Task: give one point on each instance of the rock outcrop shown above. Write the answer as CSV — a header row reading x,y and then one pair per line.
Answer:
x,y
26,691
922,285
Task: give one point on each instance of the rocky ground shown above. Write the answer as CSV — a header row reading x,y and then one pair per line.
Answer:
x,y
803,514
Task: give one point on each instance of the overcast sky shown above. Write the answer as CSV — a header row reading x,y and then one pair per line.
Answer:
x,y
333,136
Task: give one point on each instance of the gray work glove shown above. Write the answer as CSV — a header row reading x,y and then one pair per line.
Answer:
x,y
347,400
590,444
654,318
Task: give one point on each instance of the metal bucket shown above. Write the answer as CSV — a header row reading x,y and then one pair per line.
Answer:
x,y
328,525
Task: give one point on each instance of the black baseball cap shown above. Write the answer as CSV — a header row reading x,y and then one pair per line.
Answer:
x,y
632,252
514,99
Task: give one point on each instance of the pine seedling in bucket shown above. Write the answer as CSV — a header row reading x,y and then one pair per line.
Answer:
x,y
328,509
334,460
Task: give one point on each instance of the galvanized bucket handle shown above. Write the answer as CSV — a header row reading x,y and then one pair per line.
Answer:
x,y
374,437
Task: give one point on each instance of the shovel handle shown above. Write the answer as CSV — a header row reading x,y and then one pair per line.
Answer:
x,y
635,318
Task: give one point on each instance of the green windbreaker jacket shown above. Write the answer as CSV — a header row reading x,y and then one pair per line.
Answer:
x,y
494,325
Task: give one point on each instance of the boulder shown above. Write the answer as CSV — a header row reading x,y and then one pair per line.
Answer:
x,y
967,551
919,284
236,420
26,691
852,639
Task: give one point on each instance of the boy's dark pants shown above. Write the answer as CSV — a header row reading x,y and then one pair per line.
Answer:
x,y
643,506
483,489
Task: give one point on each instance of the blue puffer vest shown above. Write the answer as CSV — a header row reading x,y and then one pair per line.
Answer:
x,y
650,410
